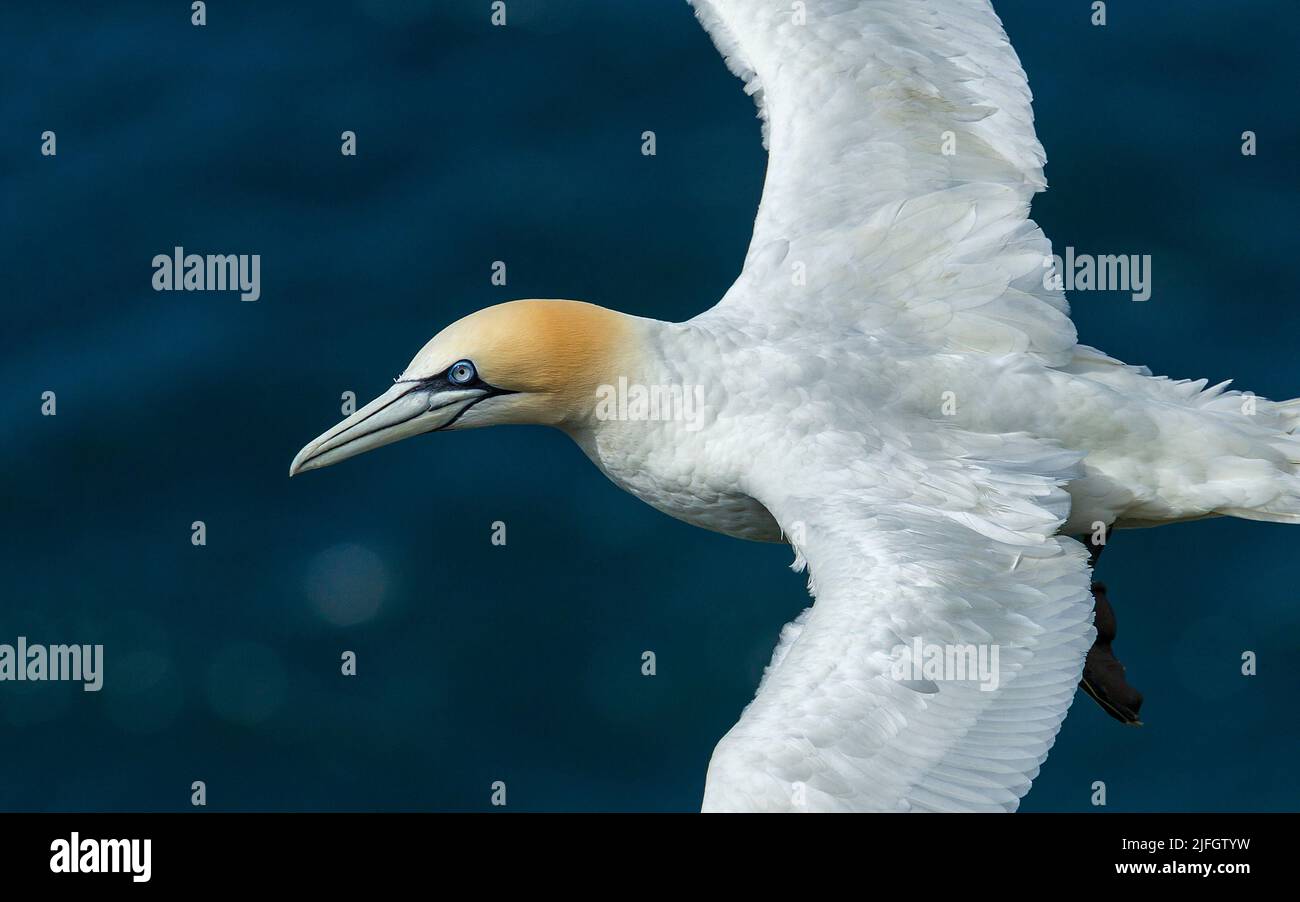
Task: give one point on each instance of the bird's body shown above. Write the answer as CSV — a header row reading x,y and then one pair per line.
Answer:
x,y
893,385
1153,450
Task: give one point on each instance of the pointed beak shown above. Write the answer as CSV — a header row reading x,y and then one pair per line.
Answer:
x,y
408,408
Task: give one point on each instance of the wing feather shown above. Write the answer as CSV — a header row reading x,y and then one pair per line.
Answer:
x,y
902,161
895,561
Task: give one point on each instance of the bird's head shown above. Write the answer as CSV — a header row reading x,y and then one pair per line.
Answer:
x,y
521,362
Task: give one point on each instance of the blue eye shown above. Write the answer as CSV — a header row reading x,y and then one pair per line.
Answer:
x,y
462,372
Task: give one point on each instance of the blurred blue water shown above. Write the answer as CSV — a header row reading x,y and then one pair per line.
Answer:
x,y
479,663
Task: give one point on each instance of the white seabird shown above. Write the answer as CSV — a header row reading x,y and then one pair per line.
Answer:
x,y
892,386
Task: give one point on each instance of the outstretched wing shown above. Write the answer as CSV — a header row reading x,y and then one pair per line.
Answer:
x,y
902,161
948,634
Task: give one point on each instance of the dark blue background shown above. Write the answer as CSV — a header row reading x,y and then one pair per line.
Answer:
x,y
522,144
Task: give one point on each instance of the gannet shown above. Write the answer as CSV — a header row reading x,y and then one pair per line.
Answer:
x,y
892,386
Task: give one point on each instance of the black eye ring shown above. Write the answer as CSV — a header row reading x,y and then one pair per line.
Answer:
x,y
461,372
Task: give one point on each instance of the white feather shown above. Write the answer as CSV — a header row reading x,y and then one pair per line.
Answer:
x,y
915,416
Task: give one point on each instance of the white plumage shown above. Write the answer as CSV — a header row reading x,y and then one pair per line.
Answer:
x,y
923,275
890,387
